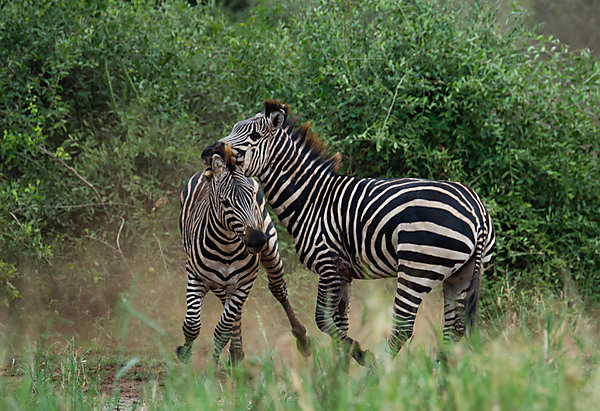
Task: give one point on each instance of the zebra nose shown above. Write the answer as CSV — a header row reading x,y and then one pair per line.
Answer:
x,y
256,240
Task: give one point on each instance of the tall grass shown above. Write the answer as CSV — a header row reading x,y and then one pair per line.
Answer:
x,y
525,353
543,356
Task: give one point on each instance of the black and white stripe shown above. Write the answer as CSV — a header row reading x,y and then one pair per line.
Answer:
x,y
423,232
227,233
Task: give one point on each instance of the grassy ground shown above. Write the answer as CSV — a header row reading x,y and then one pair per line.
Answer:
x,y
109,343
543,358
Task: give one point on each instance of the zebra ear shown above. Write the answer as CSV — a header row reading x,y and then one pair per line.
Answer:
x,y
207,154
277,119
217,166
276,112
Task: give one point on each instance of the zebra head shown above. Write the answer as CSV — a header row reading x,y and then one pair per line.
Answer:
x,y
253,138
234,197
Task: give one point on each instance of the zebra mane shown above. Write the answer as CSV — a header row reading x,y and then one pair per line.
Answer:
x,y
222,149
316,146
275,105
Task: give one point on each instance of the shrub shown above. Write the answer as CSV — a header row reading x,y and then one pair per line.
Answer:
x,y
423,89
100,102
105,107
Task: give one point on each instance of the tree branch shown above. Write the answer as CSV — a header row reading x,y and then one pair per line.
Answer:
x,y
79,176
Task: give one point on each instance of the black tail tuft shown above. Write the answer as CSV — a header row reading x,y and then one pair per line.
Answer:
x,y
475,284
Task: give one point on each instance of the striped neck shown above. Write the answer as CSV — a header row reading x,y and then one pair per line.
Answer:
x,y
291,179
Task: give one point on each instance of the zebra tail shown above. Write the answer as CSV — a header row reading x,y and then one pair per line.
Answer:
x,y
475,284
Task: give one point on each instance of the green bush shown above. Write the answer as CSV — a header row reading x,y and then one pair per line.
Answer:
x,y
105,107
423,89
100,103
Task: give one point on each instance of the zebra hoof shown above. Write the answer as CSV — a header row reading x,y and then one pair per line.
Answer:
x,y
365,358
235,357
304,346
182,356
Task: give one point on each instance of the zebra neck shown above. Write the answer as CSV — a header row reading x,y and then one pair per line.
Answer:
x,y
295,184
217,225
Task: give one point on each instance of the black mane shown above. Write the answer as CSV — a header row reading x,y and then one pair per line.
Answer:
x,y
316,146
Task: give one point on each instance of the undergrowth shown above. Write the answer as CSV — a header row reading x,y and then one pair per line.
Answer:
x,y
543,356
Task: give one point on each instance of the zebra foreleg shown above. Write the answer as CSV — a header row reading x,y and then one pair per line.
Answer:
x,y
196,290
328,301
303,341
272,262
409,296
340,316
236,349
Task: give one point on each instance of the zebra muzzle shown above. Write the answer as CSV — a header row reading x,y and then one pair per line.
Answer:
x,y
255,240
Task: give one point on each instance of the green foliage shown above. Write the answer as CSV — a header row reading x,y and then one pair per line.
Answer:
x,y
105,107
423,89
455,96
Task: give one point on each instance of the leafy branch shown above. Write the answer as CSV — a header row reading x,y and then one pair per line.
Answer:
x,y
44,150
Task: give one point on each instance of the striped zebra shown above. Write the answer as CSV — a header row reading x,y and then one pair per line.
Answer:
x,y
423,232
227,232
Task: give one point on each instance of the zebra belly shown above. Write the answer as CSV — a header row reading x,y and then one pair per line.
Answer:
x,y
368,270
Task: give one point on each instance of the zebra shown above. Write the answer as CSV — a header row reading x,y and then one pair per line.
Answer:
x,y
226,232
423,232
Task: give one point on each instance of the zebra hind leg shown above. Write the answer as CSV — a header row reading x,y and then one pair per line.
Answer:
x,y
461,295
456,288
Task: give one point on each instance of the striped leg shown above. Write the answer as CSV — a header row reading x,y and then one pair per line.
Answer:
x,y
461,294
329,296
236,349
232,309
456,288
340,316
196,290
409,294
271,260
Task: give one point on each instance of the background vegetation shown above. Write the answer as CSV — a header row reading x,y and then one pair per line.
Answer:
x,y
105,107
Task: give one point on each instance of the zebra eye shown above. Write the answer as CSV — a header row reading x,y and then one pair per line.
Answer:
x,y
255,135
225,202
